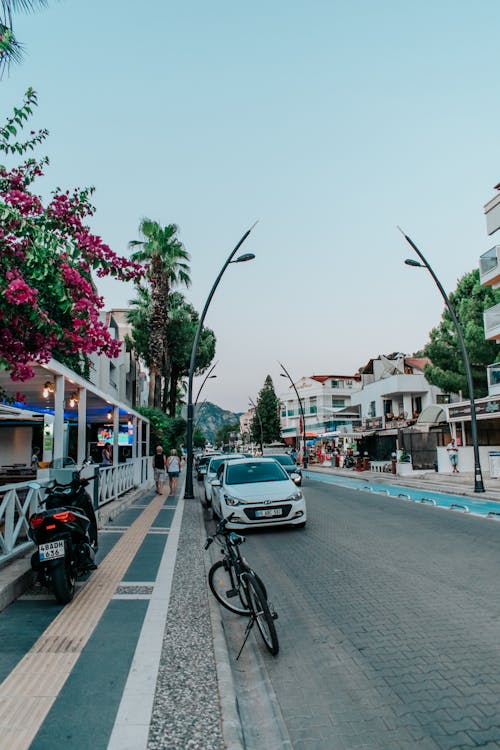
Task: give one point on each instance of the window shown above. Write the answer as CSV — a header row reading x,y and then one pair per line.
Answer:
x,y
112,375
312,405
334,383
371,410
338,403
443,398
387,406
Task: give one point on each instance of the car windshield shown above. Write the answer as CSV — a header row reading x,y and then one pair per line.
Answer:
x,y
284,460
265,471
216,462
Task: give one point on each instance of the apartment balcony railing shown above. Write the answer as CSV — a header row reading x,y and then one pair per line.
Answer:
x,y
493,372
489,267
491,319
492,212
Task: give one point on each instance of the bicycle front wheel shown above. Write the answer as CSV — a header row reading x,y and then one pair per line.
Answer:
x,y
261,612
226,588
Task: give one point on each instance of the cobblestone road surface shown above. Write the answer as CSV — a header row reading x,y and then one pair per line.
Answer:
x,y
389,624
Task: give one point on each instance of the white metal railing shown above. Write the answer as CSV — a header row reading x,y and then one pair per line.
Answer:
x,y
17,504
18,501
114,481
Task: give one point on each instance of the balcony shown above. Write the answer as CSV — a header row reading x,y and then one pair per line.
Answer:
x,y
492,211
493,379
491,319
489,267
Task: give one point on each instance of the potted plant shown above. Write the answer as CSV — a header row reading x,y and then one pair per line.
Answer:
x,y
404,465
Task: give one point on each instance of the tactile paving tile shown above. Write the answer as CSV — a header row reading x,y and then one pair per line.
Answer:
x,y
29,691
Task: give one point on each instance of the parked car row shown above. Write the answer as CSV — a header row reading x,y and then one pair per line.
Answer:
x,y
257,491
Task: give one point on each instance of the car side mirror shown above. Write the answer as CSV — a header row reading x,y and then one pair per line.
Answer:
x,y
216,483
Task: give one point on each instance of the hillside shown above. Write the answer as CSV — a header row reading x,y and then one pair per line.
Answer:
x,y
209,418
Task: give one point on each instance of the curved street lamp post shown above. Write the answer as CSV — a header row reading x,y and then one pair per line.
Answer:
x,y
286,374
188,492
208,376
478,478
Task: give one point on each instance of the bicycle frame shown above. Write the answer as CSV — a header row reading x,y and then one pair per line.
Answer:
x,y
232,578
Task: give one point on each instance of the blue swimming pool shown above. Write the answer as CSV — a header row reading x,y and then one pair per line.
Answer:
x,y
485,508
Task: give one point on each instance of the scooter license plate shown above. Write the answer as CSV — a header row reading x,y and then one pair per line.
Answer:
x,y
51,550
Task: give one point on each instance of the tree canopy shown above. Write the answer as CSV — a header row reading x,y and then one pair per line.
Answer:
x,y
10,48
447,371
265,426
166,262
179,331
49,306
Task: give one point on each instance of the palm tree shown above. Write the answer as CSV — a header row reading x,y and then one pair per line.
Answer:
x,y
167,265
10,48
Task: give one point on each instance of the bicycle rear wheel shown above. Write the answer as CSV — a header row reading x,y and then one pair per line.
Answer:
x,y
260,608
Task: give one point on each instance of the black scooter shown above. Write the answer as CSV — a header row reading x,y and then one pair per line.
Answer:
x,y
66,536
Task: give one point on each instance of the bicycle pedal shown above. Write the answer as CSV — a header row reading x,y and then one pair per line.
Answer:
x,y
231,593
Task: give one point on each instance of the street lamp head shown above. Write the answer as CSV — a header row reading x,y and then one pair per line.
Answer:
x,y
414,263
243,258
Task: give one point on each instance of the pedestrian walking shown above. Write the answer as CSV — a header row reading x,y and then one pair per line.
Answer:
x,y
159,463
453,455
173,470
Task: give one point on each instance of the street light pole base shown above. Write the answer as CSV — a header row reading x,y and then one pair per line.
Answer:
x,y
478,480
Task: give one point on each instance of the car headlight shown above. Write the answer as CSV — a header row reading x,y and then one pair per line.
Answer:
x,y
296,496
231,500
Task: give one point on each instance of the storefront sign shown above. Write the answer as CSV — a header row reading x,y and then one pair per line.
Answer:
x,y
483,408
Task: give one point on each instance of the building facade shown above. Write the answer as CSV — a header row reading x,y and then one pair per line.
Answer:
x,y
324,400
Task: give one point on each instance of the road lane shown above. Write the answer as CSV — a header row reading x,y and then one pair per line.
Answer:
x,y
388,623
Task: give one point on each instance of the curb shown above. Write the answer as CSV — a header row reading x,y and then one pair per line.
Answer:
x,y
232,731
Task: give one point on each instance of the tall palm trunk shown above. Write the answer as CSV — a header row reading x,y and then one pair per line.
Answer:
x,y
158,324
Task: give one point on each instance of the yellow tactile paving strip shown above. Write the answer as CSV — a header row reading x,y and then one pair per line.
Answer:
x,y
28,693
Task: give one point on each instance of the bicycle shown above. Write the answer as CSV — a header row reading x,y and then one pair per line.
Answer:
x,y
239,589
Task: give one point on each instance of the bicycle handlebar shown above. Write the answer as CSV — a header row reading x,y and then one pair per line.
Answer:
x,y
230,536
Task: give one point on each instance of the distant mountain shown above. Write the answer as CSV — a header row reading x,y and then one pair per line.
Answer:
x,y
208,418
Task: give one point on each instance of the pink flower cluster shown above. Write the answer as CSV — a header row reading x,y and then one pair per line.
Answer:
x,y
42,314
18,292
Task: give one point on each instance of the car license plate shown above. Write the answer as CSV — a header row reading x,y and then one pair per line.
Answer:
x,y
51,550
268,512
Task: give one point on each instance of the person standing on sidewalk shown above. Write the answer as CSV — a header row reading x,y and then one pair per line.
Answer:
x,y
159,463
453,454
173,470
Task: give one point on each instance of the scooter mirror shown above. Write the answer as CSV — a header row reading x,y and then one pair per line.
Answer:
x,y
34,485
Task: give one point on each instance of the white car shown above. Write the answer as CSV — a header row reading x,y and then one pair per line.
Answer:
x,y
258,492
211,472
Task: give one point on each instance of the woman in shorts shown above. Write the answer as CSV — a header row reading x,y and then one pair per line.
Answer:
x,y
173,470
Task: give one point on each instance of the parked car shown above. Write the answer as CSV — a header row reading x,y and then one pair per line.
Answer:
x,y
202,464
258,492
289,465
211,472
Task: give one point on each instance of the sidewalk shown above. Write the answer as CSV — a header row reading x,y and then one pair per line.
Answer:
x,y
455,484
179,692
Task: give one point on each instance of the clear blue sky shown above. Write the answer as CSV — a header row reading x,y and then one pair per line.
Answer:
x,y
330,122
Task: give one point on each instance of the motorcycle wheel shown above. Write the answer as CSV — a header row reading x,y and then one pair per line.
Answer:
x,y
63,582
